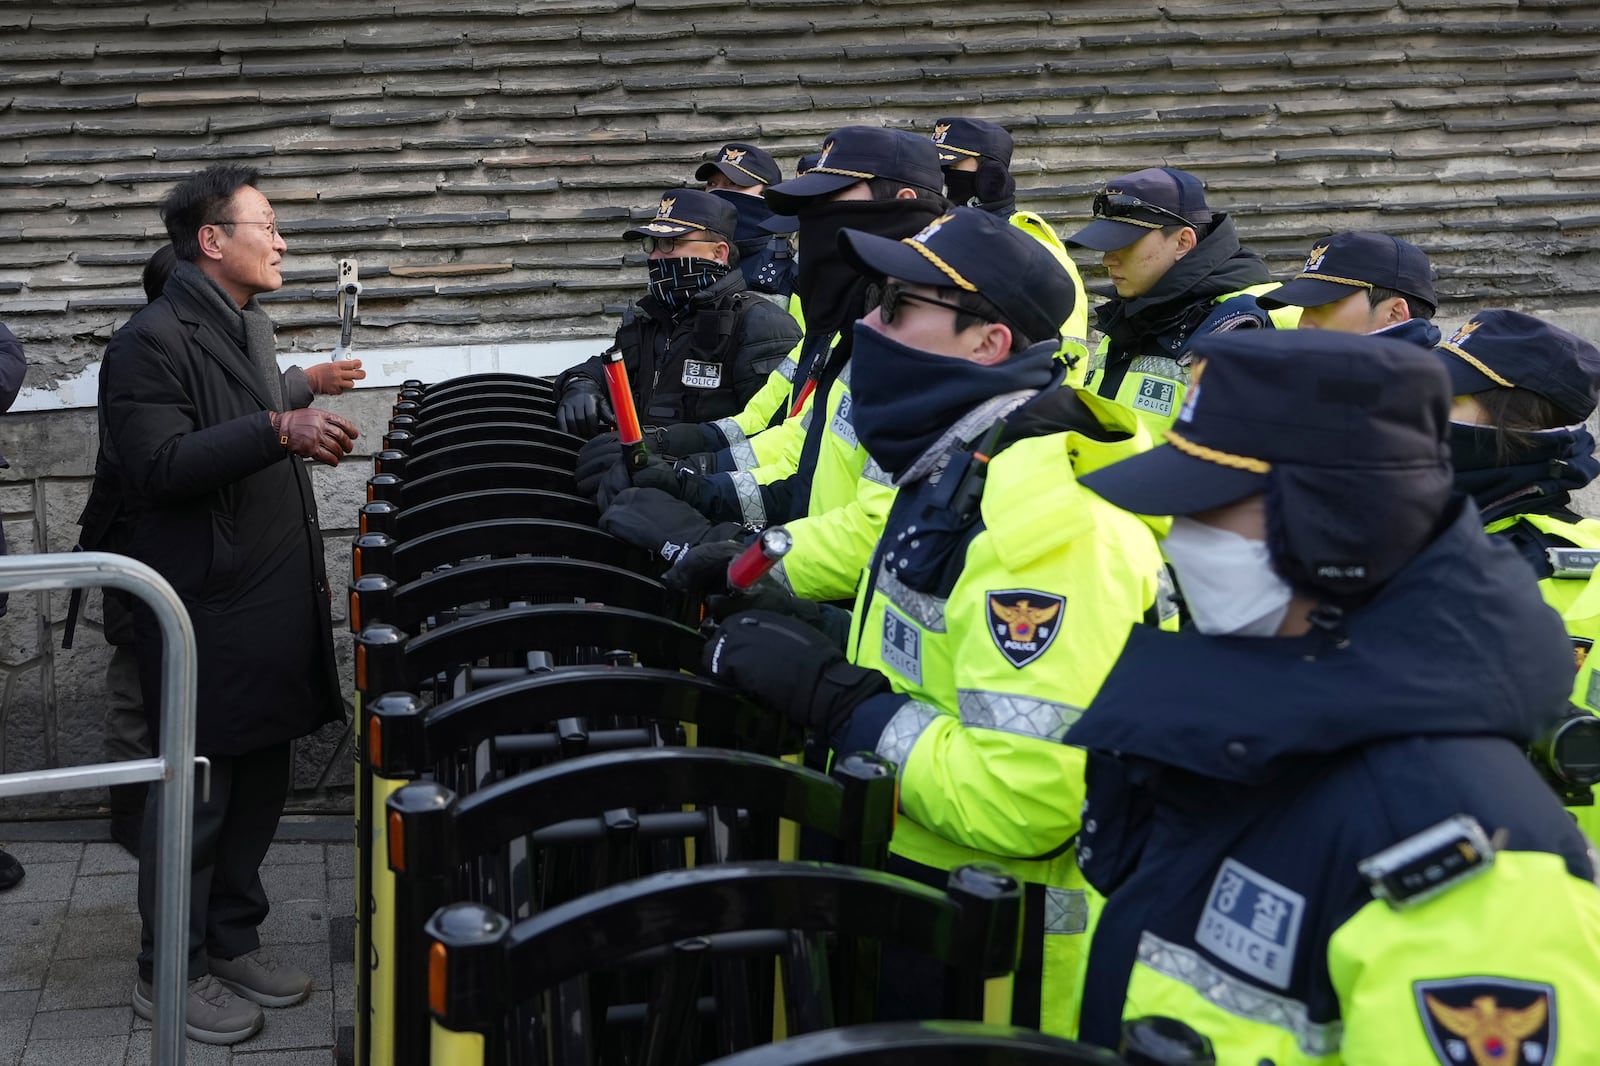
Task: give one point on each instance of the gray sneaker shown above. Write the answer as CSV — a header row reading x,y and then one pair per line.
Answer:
x,y
263,978
212,1014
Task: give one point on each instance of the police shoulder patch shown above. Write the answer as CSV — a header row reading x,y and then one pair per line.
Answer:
x,y
1488,1021
1024,622
1252,923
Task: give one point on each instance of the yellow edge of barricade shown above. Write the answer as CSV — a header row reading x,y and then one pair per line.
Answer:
x,y
361,860
383,925
446,1047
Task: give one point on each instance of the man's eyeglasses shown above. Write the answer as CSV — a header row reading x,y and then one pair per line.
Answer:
x,y
670,244
1115,205
888,297
272,227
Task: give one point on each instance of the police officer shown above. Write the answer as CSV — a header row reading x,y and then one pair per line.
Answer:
x,y
740,174
999,594
1179,273
975,155
1363,283
699,343
811,472
1524,390
1318,833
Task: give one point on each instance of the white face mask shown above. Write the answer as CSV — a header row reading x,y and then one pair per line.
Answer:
x,y
1227,580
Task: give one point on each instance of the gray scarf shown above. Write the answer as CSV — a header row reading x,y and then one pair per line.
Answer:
x,y
249,328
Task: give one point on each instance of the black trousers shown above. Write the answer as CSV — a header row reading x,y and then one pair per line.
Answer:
x,y
231,836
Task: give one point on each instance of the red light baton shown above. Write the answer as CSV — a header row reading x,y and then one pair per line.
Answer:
x,y
628,431
762,555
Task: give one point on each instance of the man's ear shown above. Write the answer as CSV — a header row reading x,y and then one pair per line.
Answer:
x,y
905,192
210,246
1395,311
722,253
1187,239
994,345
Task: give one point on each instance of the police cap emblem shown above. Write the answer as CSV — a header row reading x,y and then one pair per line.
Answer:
x,y
1489,1021
732,155
939,132
667,203
1314,260
1024,623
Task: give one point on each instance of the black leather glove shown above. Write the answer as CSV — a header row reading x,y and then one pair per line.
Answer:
x,y
683,438
583,411
612,484
703,570
650,519
674,480
596,461
790,667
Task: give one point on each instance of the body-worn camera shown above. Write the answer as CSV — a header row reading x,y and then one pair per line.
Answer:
x,y
1568,757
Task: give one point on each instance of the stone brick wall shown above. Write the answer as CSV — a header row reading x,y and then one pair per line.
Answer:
x,y
481,157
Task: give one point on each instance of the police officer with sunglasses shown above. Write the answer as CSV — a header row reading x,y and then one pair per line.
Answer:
x,y
1179,273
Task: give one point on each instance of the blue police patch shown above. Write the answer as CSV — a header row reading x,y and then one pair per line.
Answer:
x,y
1024,622
1488,1021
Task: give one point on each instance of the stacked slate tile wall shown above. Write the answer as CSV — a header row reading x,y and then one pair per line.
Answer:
x,y
480,158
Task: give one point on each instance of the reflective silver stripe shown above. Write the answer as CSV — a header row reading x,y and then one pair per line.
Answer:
x,y
926,609
751,508
1160,366
787,369
844,375
781,576
876,474
1024,715
1066,910
811,409
1240,997
900,735
744,455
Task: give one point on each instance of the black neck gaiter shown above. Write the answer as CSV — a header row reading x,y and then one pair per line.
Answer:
x,y
825,282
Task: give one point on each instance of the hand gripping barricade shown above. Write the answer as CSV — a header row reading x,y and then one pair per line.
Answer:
x,y
173,767
523,993
594,821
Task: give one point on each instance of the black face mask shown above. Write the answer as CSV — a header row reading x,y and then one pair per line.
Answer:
x,y
828,288
961,186
675,281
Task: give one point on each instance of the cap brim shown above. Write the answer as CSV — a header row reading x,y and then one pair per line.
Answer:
x,y
732,173
884,257
780,224
1107,235
1305,292
1166,481
789,197
1465,379
659,228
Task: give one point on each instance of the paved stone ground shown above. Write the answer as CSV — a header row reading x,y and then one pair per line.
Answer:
x,y
70,930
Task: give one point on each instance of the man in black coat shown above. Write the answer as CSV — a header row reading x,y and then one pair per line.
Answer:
x,y
195,420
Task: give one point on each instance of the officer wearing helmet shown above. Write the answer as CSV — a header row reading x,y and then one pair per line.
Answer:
x,y
1312,814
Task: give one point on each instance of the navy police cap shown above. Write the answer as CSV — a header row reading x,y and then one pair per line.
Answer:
x,y
859,153
1352,262
742,164
977,252
971,138
1304,399
1131,206
683,211
1511,350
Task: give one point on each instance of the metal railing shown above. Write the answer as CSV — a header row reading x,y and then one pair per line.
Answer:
x,y
173,767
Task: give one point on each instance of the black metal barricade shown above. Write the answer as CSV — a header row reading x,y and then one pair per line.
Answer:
x,y
594,821
521,994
